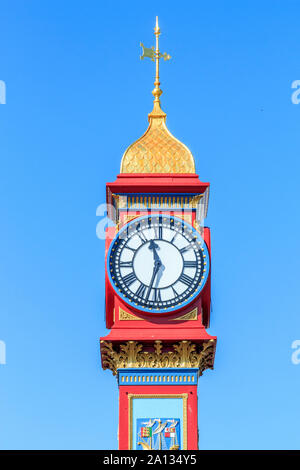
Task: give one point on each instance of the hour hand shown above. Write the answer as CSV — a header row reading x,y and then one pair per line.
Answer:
x,y
154,246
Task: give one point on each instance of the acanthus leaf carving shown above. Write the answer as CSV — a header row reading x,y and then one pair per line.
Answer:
x,y
177,355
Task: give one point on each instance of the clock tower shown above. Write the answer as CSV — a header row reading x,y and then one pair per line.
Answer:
x,y
157,286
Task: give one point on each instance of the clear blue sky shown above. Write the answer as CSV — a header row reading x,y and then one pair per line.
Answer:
x,y
77,96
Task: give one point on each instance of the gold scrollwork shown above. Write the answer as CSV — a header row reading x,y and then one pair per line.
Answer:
x,y
192,315
127,316
181,354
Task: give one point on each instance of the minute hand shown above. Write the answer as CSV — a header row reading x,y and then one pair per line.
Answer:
x,y
157,265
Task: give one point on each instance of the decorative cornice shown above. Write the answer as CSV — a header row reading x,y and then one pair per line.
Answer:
x,y
158,355
157,201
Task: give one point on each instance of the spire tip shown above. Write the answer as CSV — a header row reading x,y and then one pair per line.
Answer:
x,y
156,25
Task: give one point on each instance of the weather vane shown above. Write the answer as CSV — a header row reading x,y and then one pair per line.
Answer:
x,y
155,55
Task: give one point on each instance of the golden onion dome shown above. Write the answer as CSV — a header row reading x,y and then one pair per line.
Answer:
x,y
157,151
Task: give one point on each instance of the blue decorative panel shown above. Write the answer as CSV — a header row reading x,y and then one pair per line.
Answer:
x,y
168,376
158,434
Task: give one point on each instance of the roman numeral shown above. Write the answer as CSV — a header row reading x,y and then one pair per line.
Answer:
x,y
125,264
176,233
129,279
187,280
160,228
156,295
141,291
129,248
190,264
141,234
185,248
174,292
160,232
142,237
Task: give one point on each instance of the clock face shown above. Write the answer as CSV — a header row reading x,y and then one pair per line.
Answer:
x,y
158,263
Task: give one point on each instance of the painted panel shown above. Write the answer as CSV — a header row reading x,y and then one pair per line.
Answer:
x,y
145,408
157,434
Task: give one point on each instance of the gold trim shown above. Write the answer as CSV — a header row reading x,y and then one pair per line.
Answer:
x,y
140,201
128,217
116,198
193,315
183,396
158,355
198,227
186,217
195,200
127,316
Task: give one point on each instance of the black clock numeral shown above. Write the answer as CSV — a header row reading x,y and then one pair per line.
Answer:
x,y
173,239
129,279
160,232
187,280
141,291
174,292
125,264
142,237
190,264
141,234
160,228
156,295
185,248
129,248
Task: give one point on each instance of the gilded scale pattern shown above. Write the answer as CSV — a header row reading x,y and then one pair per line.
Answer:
x,y
157,151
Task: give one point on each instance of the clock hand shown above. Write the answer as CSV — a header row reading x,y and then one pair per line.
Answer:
x,y
153,246
157,265
159,275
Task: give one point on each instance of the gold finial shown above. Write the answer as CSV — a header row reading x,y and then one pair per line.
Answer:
x,y
155,55
157,150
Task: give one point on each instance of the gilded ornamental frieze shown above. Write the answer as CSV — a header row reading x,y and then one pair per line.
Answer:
x,y
158,355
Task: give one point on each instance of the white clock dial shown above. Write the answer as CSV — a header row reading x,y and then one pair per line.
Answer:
x,y
158,263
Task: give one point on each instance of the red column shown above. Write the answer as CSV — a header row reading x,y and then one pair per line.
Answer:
x,y
191,409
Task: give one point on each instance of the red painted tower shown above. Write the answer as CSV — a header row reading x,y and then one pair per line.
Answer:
x,y
157,287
